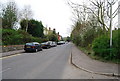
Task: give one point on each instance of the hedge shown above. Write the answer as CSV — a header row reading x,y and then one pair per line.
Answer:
x,y
18,37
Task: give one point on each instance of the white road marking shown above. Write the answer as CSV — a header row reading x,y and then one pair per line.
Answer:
x,y
5,70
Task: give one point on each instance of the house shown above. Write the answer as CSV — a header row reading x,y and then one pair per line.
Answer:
x,y
59,36
47,31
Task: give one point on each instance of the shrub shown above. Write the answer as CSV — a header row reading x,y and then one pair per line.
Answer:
x,y
77,40
101,46
10,36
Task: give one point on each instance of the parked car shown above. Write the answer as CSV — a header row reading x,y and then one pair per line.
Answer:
x,y
53,44
33,46
60,42
46,45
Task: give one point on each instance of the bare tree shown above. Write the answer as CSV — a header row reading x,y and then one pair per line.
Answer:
x,y
26,14
103,11
83,17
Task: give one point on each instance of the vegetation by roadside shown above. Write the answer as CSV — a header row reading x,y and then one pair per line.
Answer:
x,y
89,52
18,37
99,49
18,26
94,33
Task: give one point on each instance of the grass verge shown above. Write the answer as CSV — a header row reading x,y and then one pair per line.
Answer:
x,y
89,52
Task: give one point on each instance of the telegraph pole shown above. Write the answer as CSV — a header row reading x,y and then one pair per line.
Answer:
x,y
111,25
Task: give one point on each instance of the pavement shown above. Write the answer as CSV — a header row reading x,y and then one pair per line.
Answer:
x,y
10,53
84,62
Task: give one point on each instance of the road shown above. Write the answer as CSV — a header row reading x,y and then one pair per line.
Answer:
x,y
53,63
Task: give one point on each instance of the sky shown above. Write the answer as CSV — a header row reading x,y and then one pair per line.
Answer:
x,y
53,13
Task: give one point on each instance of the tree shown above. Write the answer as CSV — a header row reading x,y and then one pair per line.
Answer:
x,y
23,24
68,39
26,14
105,10
52,37
35,28
86,26
9,15
99,14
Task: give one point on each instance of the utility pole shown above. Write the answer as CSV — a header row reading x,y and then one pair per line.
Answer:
x,y
0,22
111,25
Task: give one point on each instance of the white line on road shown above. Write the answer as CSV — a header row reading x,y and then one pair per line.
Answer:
x,y
5,70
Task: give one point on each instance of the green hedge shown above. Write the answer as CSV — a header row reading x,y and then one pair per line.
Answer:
x,y
13,37
101,46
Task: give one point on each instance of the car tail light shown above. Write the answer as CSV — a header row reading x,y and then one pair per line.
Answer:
x,y
32,46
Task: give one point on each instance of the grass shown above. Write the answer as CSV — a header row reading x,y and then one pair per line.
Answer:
x,y
89,52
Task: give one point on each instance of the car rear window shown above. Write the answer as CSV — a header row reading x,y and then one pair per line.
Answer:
x,y
29,43
43,43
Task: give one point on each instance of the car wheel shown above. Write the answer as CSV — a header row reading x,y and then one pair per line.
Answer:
x,y
41,50
26,51
47,47
36,50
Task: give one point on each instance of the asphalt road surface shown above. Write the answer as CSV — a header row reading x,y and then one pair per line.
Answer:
x,y
53,63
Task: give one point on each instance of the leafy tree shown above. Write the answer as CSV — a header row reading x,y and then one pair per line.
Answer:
x,y
52,37
35,28
23,24
68,39
9,15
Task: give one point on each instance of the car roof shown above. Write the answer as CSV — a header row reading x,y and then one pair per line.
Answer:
x,y
33,43
43,43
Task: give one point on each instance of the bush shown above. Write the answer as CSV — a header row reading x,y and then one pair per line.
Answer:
x,y
101,46
13,37
10,36
77,40
88,37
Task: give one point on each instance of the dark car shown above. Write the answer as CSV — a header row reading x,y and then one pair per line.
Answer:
x,y
33,46
46,45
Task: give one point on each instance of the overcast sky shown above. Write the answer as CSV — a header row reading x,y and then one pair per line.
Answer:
x,y
53,13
